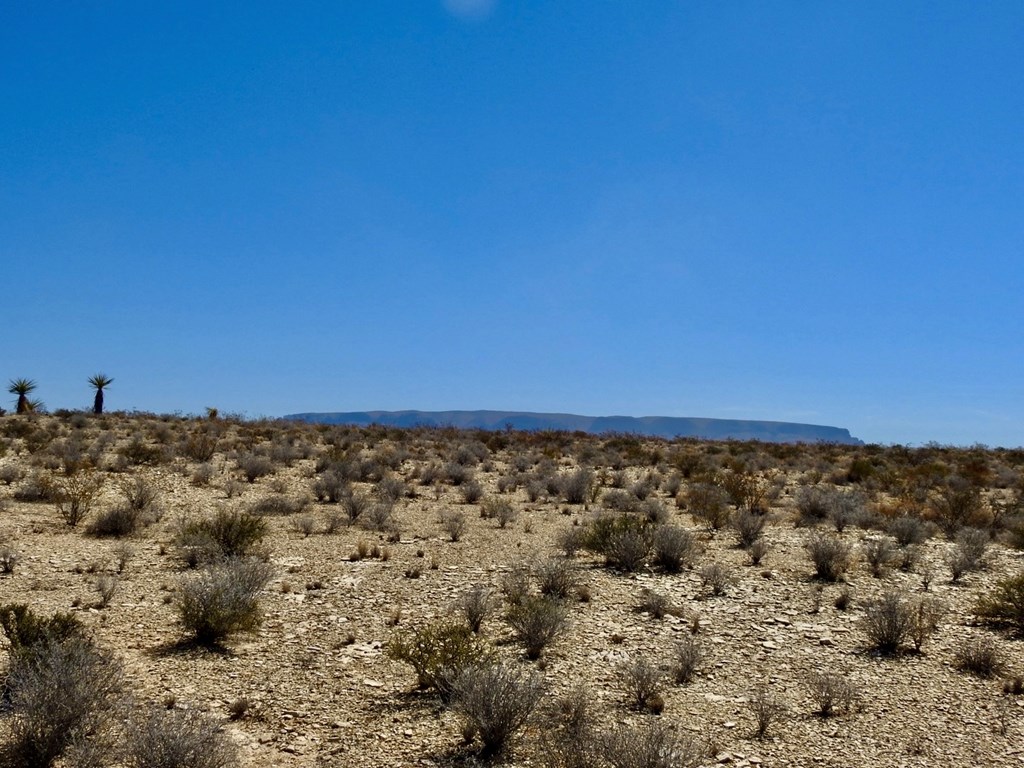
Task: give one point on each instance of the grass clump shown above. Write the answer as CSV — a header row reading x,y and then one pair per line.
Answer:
x,y
979,656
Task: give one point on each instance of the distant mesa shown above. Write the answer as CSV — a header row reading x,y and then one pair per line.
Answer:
x,y
654,426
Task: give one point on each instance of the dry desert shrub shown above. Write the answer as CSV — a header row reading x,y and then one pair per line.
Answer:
x,y
649,745
572,742
178,738
624,539
895,619
970,553
571,540
768,710
331,487
453,523
254,466
1003,605
355,504
846,508
830,555
278,505
979,656
655,604
225,535
471,491
674,548
556,577
500,510
832,693
537,621
62,690
757,550
688,658
709,503
879,552
812,504
222,600
74,495
908,530
476,605
954,504
495,700
577,487
749,526
643,683
123,519
716,578
8,558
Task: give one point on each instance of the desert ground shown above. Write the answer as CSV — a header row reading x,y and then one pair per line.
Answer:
x,y
374,537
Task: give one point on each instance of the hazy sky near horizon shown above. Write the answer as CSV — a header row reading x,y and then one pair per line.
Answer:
x,y
796,211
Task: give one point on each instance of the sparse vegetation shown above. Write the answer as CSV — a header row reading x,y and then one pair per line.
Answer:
x,y
387,575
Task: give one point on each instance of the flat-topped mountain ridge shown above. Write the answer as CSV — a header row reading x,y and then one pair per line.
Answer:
x,y
655,426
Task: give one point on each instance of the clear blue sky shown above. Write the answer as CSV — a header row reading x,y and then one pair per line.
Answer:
x,y
796,211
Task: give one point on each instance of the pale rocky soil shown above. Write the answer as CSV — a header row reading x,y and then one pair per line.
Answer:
x,y
317,700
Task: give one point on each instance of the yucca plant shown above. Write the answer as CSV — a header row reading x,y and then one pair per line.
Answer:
x,y
98,382
22,388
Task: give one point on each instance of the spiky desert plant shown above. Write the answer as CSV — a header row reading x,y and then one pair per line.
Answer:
x,y
98,382
22,388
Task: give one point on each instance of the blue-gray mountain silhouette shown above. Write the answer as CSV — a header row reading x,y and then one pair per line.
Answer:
x,y
655,426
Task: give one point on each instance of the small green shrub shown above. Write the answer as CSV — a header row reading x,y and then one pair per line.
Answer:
x,y
225,535
24,629
1004,605
437,653
222,600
